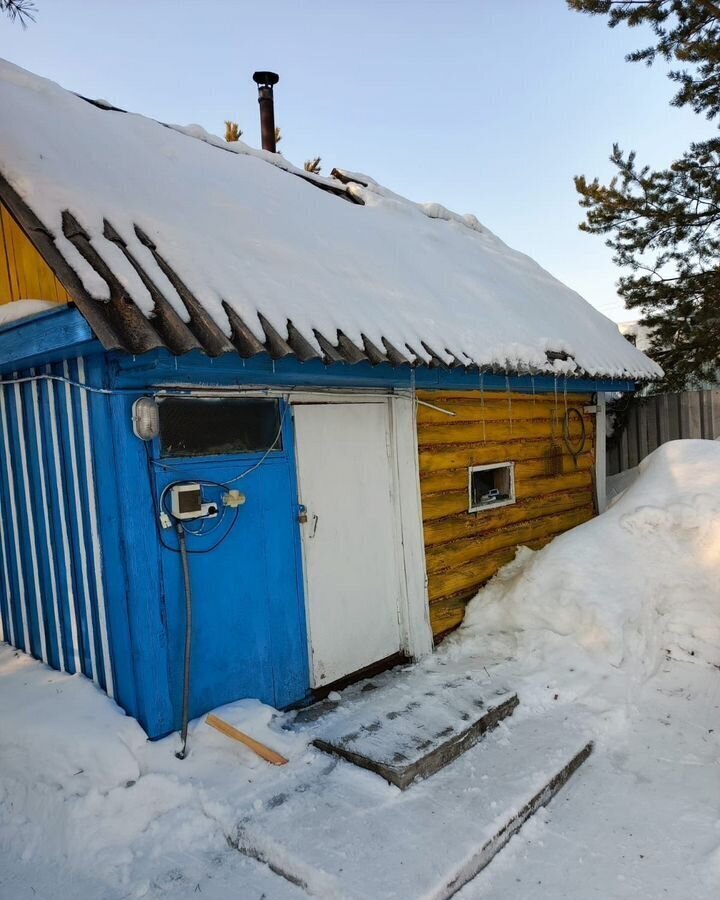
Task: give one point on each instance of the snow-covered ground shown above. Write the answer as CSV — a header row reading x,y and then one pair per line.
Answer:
x,y
616,484
615,625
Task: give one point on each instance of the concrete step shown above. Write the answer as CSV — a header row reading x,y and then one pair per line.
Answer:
x,y
340,832
409,724
406,744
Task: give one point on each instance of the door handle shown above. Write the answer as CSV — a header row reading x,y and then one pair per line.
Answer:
x,y
314,525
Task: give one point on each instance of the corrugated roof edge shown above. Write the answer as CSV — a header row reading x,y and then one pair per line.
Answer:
x,y
119,324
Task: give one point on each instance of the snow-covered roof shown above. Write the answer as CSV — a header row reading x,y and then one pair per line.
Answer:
x,y
641,334
172,237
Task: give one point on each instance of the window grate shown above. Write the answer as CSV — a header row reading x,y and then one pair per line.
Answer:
x,y
208,427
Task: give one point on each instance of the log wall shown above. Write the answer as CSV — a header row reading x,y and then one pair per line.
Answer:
x,y
554,491
24,274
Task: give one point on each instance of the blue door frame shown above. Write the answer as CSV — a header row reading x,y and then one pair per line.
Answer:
x,y
249,631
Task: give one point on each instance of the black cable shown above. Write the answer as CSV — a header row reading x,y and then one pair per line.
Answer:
x,y
181,754
574,449
156,512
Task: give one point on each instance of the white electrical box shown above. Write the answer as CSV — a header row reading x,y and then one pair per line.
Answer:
x,y
186,502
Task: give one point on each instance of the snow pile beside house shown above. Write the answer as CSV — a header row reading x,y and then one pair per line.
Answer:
x,y
248,228
635,585
89,807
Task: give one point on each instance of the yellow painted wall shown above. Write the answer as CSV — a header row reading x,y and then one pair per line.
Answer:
x,y
24,274
463,550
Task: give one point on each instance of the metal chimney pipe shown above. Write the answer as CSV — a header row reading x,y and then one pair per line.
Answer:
x,y
265,82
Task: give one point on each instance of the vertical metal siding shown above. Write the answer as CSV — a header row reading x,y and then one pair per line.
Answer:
x,y
53,596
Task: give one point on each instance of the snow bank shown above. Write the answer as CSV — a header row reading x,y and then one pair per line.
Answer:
x,y
23,309
630,587
239,225
83,793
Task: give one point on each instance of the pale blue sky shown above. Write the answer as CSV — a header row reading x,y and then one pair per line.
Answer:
x,y
488,107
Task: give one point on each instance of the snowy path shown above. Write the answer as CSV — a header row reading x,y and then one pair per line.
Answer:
x,y
89,809
642,819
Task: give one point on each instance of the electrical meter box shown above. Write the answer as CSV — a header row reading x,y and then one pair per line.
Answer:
x,y
186,501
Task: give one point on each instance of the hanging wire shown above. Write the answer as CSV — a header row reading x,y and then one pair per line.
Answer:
x,y
63,380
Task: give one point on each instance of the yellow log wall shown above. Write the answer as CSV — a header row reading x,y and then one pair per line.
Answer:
x,y
463,550
24,274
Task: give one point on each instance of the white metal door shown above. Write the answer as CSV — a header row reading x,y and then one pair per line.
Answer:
x,y
351,562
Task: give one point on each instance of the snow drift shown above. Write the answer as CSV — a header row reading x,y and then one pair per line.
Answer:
x,y
635,585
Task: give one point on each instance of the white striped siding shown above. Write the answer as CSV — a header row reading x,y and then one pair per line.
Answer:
x,y
82,550
46,521
60,489
30,517
6,574
14,518
95,532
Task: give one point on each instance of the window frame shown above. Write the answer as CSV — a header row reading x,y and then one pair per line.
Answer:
x,y
508,501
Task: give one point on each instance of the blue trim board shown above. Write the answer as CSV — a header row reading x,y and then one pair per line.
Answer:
x,y
159,368
48,337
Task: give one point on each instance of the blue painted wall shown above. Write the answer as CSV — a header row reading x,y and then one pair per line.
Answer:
x,y
248,612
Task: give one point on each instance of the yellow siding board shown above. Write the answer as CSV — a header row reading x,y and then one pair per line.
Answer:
x,y
438,506
453,479
24,274
478,432
445,531
5,288
443,398
490,410
439,458
464,550
448,614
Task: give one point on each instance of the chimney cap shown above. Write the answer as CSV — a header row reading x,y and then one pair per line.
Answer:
x,y
267,79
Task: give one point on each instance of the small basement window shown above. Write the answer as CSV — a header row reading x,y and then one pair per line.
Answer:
x,y
491,486
195,427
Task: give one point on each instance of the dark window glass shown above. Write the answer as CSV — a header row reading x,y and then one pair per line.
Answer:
x,y
196,427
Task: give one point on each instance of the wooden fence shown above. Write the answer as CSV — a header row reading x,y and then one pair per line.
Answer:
x,y
653,420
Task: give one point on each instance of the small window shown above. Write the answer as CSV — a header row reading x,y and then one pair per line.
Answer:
x,y
491,486
194,427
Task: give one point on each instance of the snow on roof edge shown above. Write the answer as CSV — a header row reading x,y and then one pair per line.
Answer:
x,y
383,277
